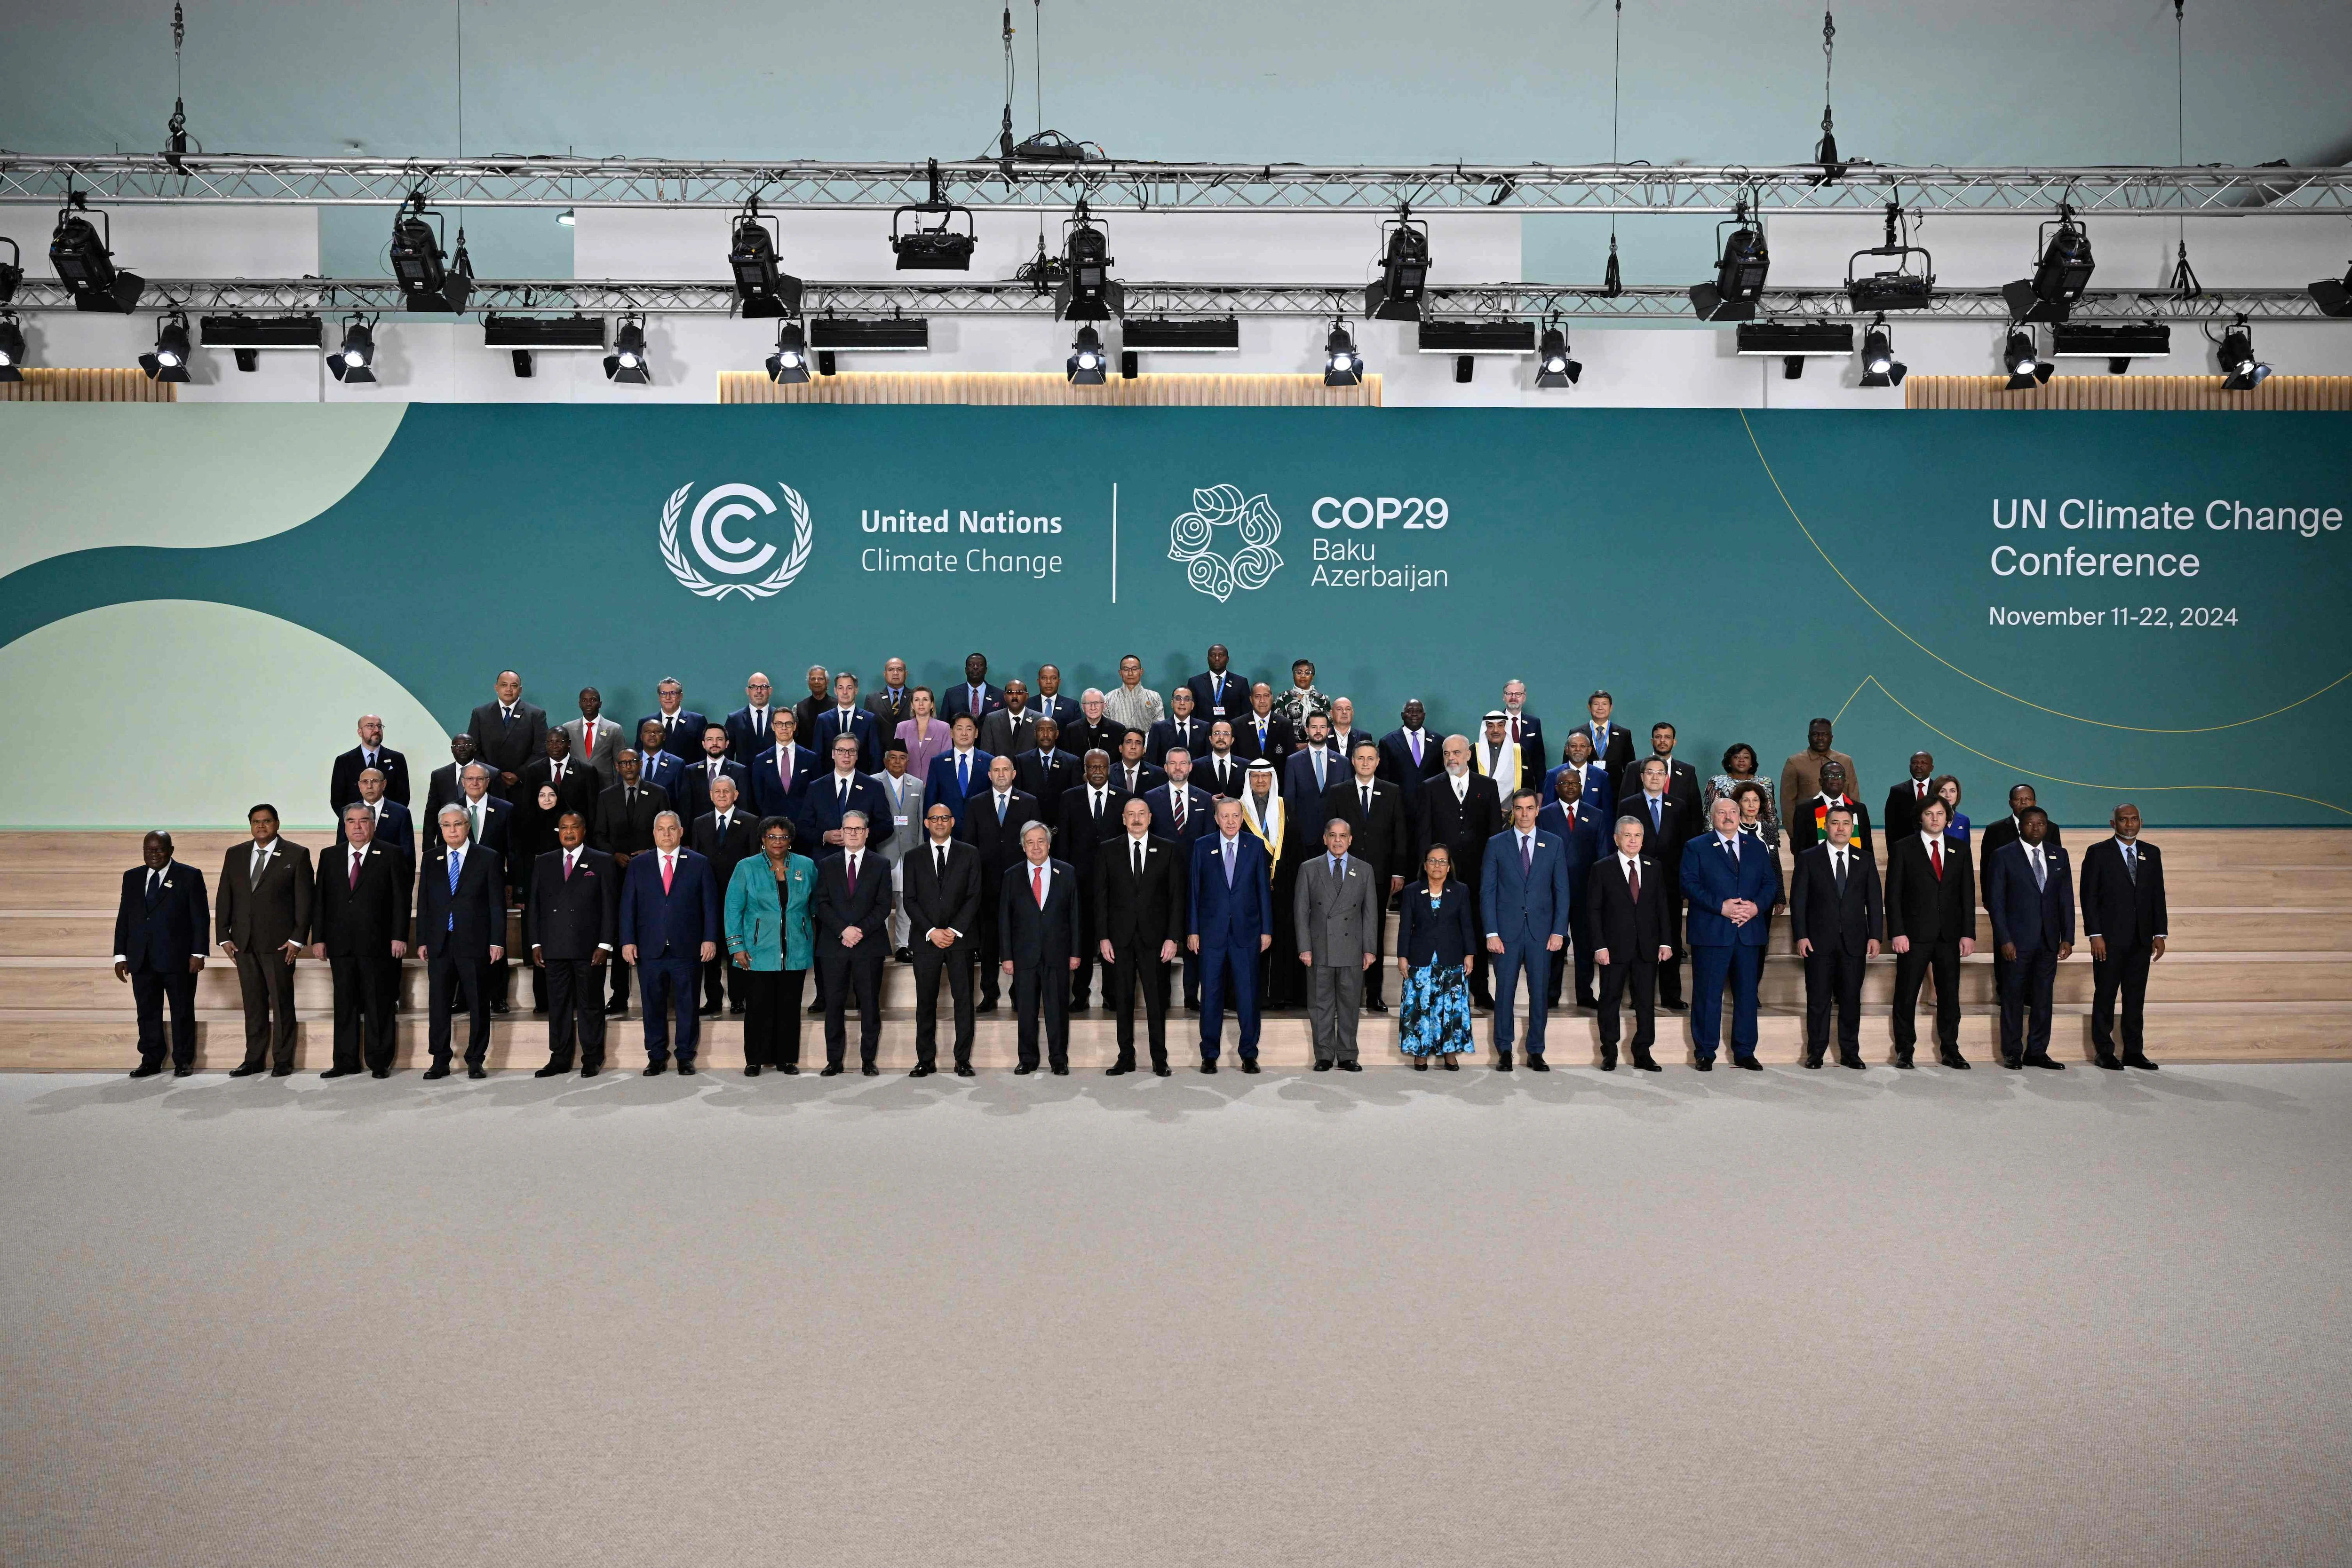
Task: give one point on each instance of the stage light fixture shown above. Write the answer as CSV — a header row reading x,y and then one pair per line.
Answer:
x,y
2119,346
1897,287
169,360
627,363
1741,265
524,367
1880,368
2059,279
830,335
933,247
567,217
1404,283
762,288
1160,335
2241,370
1342,366
1553,367
1088,364
2332,294
353,364
12,271
429,278
12,347
788,366
2027,368
1085,292
84,259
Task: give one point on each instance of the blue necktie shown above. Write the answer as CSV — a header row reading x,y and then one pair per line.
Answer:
x,y
1654,814
963,774
457,863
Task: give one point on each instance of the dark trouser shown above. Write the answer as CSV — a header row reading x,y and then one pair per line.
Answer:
x,y
1943,958
364,992
1578,938
1229,973
540,993
1670,971
1282,979
620,980
722,981
148,992
1533,959
931,962
992,958
2127,968
857,973
669,985
2031,980
1132,968
1742,966
1481,964
772,1016
1191,966
267,983
1615,983
1833,976
575,1011
1372,981
446,978
1037,989
1082,979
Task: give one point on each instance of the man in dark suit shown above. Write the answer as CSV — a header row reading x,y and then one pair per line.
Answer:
x,y
942,881
960,771
1223,773
828,799
576,788
507,733
2125,917
441,785
657,765
847,718
261,922
1590,778
1183,815
1410,753
1182,727
359,930
1313,768
1130,771
1051,702
1731,882
573,923
1012,729
1836,912
1086,815
1682,781
1901,817
1931,922
1039,910
1666,826
1612,748
893,702
1579,829
1138,900
991,824
1524,730
1632,928
1093,729
820,697
711,766
723,835
1990,839
748,731
1229,922
159,949
670,926
681,726
1380,834
1047,769
1217,692
395,830
489,824
461,925
2032,901
1804,818
1262,735
974,695
852,906
1461,811
781,773
344,780
1523,910
624,829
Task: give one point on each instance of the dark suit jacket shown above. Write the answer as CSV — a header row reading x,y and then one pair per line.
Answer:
x,y
1146,777
1076,830
577,793
1584,833
2035,918
1230,784
999,843
162,939
1617,757
770,795
1921,908
1384,838
663,769
1279,742
682,739
343,781
478,905
569,920
1398,766
1191,733
1632,932
1233,917
1078,737
1531,747
748,734
1712,875
263,918
395,830
1045,774
1662,842
940,783
508,745
724,852
673,924
1139,912
837,907
1061,707
933,901
1445,934
957,699
695,794
361,922
1200,815
1816,913
1297,780
497,822
1006,734
625,827
1463,826
1797,826
822,808
1901,815
1033,937
441,788
1209,709
862,728
2004,831
890,712
2126,913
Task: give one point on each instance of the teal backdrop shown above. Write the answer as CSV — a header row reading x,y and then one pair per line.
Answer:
x,y
215,601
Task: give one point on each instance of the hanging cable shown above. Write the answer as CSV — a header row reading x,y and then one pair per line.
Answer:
x,y
1826,152
1612,282
175,134
2184,277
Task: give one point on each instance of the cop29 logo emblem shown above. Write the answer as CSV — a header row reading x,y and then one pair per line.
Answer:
x,y
709,544
1242,556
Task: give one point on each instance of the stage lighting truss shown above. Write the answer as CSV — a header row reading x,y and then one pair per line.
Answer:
x,y
1404,283
763,290
429,279
933,247
1899,286
2060,276
1742,262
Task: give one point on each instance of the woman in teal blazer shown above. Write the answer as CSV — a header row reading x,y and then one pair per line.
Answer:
x,y
769,938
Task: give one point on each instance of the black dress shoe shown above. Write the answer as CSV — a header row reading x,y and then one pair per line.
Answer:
x,y
339,1072
2108,1061
1608,1060
686,1070
281,1072
828,1071
2142,1063
1849,1059
591,1069
438,1070
964,1070
476,1069
1161,1070
183,1071
655,1069
1903,1060
1705,1064
1747,1063
1537,1064
1421,1064
538,1012
986,1005
1061,1071
147,1070
816,1010
868,1070
1812,1060
1675,1007
789,1070
1249,1066
1322,1066
2012,1062
615,1009
1953,1059
1376,1007
1450,1062
905,955
735,1008
1208,1067
1502,1063
708,1010
1646,1063
553,1069
500,1007
751,1069
1351,1067
922,1070
2043,1059
245,1070
1118,1068
1023,1070
382,1071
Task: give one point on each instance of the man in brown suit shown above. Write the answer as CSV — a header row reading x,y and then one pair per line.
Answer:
x,y
261,920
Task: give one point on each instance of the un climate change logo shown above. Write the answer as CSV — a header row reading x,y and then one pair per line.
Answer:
x,y
723,553
1251,560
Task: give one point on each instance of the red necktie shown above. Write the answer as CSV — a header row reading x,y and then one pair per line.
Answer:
x,y
1633,882
669,863
354,857
1037,879
588,740
1515,732
1936,858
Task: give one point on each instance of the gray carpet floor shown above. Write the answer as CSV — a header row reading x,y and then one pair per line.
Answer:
x,y
1787,1318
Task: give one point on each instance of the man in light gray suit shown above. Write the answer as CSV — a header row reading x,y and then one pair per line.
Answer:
x,y
596,741
1339,911
905,793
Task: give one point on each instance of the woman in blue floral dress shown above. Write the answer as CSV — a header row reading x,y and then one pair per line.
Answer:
x,y
1437,935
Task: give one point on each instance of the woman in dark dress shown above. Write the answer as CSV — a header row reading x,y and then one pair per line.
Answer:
x,y
534,836
1435,939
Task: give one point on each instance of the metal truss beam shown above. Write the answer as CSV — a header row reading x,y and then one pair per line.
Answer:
x,y
1113,185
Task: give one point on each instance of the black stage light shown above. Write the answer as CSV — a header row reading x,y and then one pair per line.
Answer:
x,y
169,362
423,272
1475,337
2119,346
627,363
933,247
573,331
354,362
84,259
1159,335
12,349
1465,367
762,288
12,271
1553,367
830,335
2332,294
245,335
1087,292
1342,366
1742,262
2239,370
523,365
2060,277
788,366
1088,364
1405,271
1897,287
1880,368
2027,368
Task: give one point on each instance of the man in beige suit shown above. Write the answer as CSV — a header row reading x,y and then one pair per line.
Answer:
x,y
1338,908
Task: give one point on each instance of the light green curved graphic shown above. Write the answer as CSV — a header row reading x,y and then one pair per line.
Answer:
x,y
230,706
85,476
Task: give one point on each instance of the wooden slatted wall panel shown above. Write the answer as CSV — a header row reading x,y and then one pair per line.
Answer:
x,y
1001,388
2280,393
88,386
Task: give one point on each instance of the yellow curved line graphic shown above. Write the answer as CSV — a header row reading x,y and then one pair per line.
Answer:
x,y
2125,790
2026,702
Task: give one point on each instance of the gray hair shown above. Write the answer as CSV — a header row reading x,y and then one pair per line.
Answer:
x,y
481,767
850,816
1034,827
361,806
672,816
448,811
1094,691
1624,821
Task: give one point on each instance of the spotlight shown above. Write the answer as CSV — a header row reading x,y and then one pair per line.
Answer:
x,y
762,288
419,266
84,260
1880,368
2332,294
1553,367
1741,264
1087,292
567,217
626,362
354,362
934,248
12,347
1342,366
788,366
169,363
2026,368
2239,370
12,271
2059,279
1405,271
1085,367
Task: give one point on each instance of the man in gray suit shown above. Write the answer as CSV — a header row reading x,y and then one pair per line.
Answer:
x,y
905,793
1339,911
596,741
